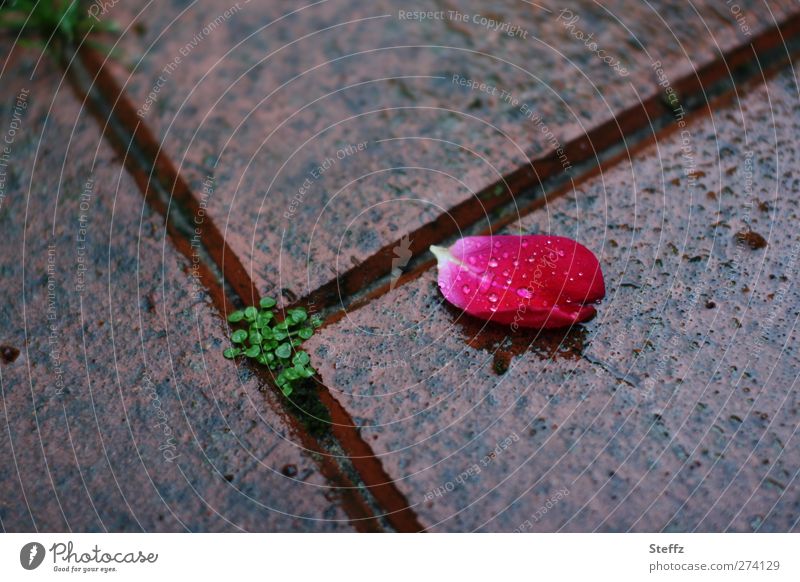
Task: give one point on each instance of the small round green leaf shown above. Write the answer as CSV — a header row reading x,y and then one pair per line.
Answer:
x,y
316,321
231,353
267,302
301,359
298,314
305,333
252,352
283,351
255,337
239,336
236,316
250,313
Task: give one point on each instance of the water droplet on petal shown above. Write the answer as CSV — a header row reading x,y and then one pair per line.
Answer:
x,y
492,297
465,288
486,282
524,293
492,263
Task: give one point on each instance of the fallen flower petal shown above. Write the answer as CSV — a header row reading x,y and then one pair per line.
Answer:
x,y
533,281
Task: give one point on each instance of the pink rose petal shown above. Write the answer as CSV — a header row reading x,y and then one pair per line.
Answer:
x,y
533,281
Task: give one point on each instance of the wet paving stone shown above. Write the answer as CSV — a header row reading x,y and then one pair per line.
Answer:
x,y
675,409
315,137
119,412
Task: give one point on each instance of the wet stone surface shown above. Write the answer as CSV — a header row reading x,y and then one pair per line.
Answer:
x,y
119,412
675,409
329,132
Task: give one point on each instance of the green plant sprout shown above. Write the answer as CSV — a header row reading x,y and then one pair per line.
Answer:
x,y
274,344
61,20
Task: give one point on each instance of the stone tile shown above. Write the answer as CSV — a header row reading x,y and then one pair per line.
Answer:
x,y
266,98
118,411
675,409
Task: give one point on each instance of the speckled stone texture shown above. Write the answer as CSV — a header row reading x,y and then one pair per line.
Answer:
x,y
676,409
118,410
261,98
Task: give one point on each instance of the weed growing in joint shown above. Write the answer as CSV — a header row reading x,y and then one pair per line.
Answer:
x,y
274,344
43,21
